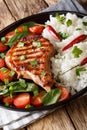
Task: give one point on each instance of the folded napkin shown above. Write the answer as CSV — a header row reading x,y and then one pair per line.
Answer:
x,y
12,120
69,5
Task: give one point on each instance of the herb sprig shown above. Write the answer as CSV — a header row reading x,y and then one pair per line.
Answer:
x,y
76,52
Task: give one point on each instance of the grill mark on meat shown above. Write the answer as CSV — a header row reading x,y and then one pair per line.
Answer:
x,y
23,48
40,54
28,56
27,66
31,38
29,46
41,63
29,51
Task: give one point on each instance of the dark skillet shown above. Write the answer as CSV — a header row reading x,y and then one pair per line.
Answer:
x,y
41,18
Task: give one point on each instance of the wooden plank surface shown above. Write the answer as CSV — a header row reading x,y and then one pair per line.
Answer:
x,y
74,115
5,16
24,8
58,120
77,111
74,118
51,2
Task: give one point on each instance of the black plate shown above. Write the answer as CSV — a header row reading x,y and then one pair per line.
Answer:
x,y
41,18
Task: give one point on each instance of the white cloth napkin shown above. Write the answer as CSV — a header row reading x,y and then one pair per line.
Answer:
x,y
12,120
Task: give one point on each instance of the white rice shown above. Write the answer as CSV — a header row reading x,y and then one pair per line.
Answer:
x,y
63,62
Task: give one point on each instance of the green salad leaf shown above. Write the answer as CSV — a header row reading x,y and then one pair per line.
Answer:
x,y
16,37
12,73
4,70
4,91
2,55
18,86
6,81
30,24
51,97
19,35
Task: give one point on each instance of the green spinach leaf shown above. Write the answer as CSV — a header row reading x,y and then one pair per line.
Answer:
x,y
2,55
51,97
18,86
30,24
16,37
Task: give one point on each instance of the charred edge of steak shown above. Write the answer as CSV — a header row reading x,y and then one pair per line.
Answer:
x,y
31,38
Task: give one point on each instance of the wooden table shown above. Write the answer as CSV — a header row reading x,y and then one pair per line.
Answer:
x,y
74,115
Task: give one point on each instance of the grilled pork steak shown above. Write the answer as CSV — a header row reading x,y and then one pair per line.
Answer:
x,y
30,58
